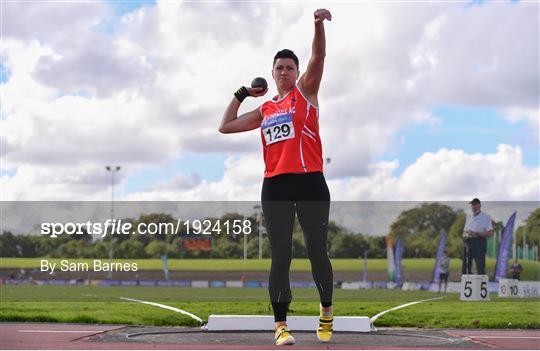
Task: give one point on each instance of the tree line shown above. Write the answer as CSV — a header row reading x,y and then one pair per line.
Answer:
x,y
420,229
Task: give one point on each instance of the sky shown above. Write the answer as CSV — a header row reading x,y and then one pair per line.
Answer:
x,y
419,101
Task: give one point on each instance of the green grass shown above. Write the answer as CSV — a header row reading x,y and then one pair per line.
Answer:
x,y
531,269
208,264
88,304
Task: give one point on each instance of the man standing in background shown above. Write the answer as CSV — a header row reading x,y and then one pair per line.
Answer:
x,y
477,228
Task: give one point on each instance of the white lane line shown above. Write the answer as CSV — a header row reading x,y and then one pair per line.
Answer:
x,y
374,318
503,337
165,307
59,331
422,335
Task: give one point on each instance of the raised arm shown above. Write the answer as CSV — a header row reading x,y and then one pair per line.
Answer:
x,y
232,123
311,79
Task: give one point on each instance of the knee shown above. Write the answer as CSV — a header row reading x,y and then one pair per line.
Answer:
x,y
320,260
317,252
281,261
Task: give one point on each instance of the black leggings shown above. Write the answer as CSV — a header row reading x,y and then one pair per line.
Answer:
x,y
307,196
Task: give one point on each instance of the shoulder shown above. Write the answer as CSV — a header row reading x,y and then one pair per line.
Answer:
x,y
267,105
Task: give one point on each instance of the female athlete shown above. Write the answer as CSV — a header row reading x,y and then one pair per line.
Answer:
x,y
294,183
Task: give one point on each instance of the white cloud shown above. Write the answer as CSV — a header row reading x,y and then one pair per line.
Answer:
x,y
34,183
446,175
56,22
241,181
155,84
532,117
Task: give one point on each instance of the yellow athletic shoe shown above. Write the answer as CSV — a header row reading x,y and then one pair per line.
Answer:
x,y
325,330
283,336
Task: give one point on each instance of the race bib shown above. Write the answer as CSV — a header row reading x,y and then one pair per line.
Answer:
x,y
278,128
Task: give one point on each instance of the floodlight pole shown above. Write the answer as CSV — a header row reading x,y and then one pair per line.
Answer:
x,y
113,171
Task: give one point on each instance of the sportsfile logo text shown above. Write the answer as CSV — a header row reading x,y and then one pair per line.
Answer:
x,y
119,227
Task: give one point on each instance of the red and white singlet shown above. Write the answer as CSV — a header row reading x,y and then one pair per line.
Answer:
x,y
290,135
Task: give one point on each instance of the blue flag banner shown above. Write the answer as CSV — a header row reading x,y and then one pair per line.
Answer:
x,y
398,256
504,249
440,251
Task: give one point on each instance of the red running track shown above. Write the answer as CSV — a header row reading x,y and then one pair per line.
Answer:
x,y
83,336
528,339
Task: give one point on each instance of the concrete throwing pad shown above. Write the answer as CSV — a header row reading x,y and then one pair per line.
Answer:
x,y
297,323
195,339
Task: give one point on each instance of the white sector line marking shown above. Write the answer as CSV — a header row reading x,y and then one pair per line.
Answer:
x,y
165,307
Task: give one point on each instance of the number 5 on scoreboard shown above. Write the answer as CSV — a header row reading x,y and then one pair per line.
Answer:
x,y
483,290
468,289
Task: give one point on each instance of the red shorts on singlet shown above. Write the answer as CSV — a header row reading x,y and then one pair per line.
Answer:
x,y
290,135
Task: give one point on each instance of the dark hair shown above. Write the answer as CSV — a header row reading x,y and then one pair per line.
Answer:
x,y
286,53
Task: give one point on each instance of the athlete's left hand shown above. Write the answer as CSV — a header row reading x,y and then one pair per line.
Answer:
x,y
321,15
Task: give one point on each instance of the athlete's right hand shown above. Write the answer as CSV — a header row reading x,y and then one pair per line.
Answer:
x,y
256,92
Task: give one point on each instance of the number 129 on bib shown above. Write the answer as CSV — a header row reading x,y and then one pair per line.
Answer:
x,y
278,128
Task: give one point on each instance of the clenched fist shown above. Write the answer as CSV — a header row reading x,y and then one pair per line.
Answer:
x,y
322,14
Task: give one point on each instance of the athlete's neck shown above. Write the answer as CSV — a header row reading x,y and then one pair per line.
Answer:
x,y
283,93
